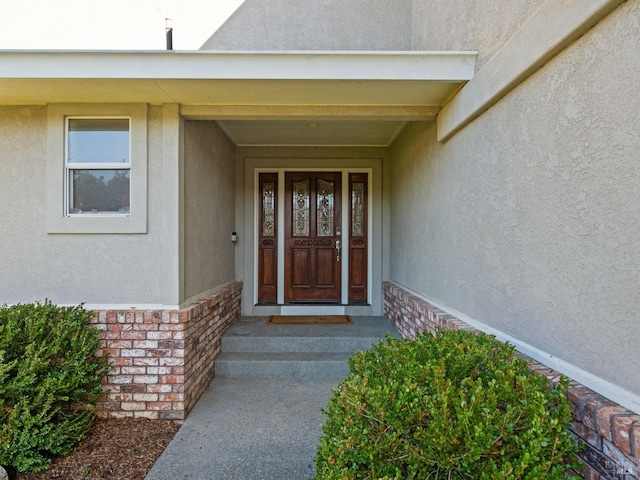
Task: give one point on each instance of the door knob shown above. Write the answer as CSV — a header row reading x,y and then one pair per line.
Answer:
x,y
338,247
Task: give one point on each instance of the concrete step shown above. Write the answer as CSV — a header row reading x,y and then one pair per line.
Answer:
x,y
251,348
296,344
293,365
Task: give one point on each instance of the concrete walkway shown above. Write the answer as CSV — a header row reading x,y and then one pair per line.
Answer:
x,y
267,427
248,429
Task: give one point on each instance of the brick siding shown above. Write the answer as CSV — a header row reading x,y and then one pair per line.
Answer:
x,y
163,360
608,433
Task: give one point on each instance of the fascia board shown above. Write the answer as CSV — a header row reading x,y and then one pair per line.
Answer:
x,y
414,65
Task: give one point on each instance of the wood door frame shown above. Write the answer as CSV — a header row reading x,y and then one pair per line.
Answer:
x,y
281,171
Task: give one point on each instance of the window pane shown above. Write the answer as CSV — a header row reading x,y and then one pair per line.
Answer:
x,y
325,209
301,208
99,191
268,209
357,209
101,140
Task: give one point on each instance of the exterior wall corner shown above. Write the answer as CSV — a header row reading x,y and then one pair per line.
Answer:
x,y
162,361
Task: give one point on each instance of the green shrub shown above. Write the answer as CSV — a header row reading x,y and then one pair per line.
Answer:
x,y
47,363
452,406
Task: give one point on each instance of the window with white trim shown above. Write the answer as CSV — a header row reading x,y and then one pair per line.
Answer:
x,y
97,168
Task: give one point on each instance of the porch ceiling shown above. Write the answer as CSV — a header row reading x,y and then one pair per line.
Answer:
x,y
259,98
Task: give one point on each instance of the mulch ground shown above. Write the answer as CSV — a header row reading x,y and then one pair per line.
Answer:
x,y
113,449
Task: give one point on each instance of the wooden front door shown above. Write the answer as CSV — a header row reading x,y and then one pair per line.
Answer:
x,y
313,241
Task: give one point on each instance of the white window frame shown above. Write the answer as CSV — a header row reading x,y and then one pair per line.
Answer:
x,y
59,220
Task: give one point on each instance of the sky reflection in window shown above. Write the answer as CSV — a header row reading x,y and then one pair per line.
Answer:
x,y
98,141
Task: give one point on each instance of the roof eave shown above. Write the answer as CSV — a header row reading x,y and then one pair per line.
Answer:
x,y
87,74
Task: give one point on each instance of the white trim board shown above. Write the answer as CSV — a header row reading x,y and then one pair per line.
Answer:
x,y
126,306
455,66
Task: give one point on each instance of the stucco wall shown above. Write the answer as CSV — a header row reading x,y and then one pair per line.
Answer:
x,y
68,268
209,199
482,25
316,25
529,218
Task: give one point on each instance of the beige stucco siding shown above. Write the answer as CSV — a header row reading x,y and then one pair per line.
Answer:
x,y
482,25
69,268
316,25
209,208
529,218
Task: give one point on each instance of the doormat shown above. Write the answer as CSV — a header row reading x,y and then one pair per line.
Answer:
x,y
309,320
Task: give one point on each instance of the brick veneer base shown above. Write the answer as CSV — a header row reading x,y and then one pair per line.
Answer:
x,y
609,434
163,360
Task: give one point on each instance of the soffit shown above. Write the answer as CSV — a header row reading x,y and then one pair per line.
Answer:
x,y
371,133
252,94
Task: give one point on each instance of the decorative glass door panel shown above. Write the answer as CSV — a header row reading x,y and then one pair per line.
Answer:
x,y
301,208
312,239
267,239
358,232
325,209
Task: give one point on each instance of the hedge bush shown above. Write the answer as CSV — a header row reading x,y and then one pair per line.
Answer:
x,y
47,363
457,405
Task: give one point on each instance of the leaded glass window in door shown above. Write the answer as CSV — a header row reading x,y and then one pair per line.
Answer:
x,y
357,209
268,209
301,208
325,202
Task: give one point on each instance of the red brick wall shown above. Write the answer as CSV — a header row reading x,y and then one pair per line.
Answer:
x,y
609,434
163,360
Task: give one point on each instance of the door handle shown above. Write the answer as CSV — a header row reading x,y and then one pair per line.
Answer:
x,y
338,247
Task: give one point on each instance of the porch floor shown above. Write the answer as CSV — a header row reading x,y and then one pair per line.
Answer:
x,y
259,422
